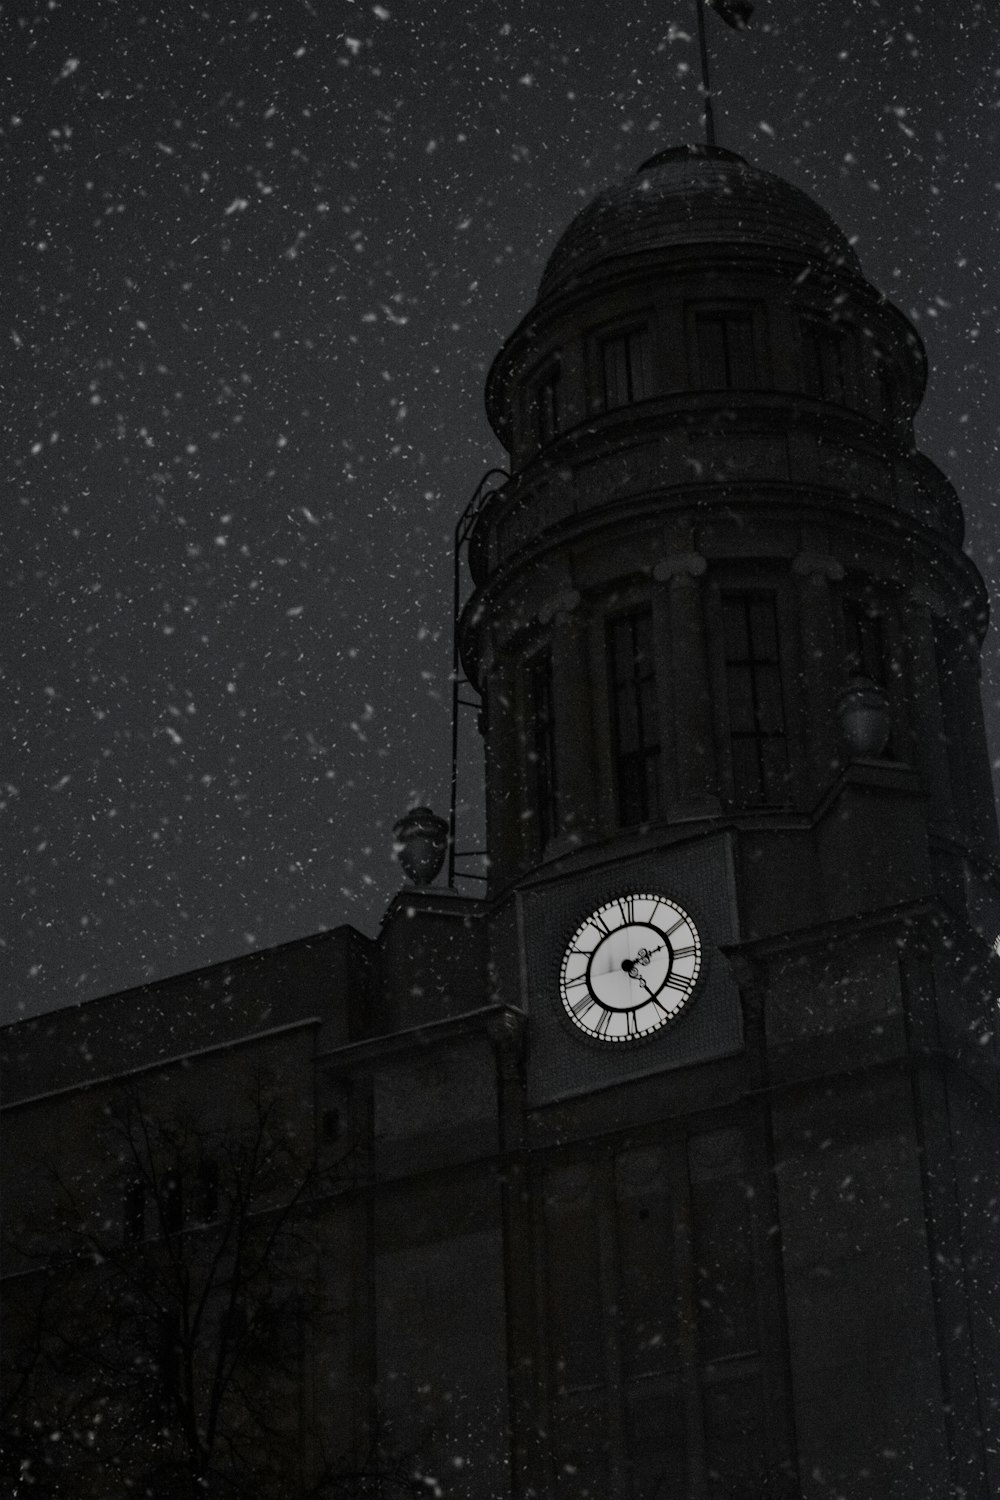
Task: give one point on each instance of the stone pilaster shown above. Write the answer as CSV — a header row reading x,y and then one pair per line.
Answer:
x,y
821,665
574,713
694,720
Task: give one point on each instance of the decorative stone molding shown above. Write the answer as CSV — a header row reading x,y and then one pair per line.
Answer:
x,y
561,604
487,654
809,564
681,565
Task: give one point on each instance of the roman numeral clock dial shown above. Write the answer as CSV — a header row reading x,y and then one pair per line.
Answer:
x,y
630,968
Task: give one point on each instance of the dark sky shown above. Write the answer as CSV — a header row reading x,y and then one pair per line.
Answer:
x,y
255,263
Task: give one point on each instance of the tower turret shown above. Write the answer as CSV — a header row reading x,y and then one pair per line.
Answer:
x,y
717,517
743,867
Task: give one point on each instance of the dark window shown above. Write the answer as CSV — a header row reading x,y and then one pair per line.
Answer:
x,y
542,743
169,1357
547,406
866,646
756,711
634,721
624,368
726,356
208,1184
172,1203
826,362
134,1212
675,1303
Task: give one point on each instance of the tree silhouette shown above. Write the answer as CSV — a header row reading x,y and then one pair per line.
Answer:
x,y
161,1350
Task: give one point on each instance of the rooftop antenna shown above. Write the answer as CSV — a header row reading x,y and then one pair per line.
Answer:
x,y
735,13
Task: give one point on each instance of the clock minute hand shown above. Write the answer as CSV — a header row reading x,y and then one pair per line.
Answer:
x,y
645,986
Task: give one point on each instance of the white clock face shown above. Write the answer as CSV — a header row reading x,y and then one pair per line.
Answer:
x,y
630,968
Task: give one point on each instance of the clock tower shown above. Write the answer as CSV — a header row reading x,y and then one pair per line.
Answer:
x,y
666,1169
743,869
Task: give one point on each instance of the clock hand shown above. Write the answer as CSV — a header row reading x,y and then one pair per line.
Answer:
x,y
645,954
645,986
631,968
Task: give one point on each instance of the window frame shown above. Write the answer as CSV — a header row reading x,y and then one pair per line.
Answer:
x,y
637,343
639,325
771,796
602,1187
532,433
752,310
649,752
839,334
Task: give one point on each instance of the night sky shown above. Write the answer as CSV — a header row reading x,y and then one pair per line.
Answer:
x,y
255,263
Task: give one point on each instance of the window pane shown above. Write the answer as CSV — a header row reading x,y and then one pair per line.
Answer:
x,y
642,628
763,629
639,363
628,722
616,386
635,722
812,362
756,707
711,351
747,776
742,719
826,356
740,351
865,631
651,785
774,760
734,617
647,707
631,790
547,407
767,684
622,649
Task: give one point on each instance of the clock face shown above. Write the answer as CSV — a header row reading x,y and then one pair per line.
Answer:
x,y
630,968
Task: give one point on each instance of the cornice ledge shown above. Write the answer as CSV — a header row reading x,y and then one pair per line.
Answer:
x,y
817,564
680,565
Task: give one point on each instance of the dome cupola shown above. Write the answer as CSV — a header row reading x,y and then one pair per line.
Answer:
x,y
694,196
716,521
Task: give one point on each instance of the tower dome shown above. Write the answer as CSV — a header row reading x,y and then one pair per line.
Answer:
x,y
699,248
693,196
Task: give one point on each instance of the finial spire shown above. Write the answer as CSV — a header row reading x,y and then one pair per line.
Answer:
x,y
706,83
735,13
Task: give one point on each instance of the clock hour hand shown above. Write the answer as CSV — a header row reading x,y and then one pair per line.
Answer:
x,y
642,957
631,968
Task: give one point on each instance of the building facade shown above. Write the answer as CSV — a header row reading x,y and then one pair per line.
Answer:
x,y
668,1168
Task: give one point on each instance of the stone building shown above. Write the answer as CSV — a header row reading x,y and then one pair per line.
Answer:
x,y
673,1158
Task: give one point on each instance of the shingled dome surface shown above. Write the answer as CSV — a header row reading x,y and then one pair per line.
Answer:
x,y
689,196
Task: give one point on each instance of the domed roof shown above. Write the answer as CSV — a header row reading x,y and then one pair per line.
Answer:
x,y
694,195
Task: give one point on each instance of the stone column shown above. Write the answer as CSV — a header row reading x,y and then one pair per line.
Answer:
x,y
820,664
694,719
